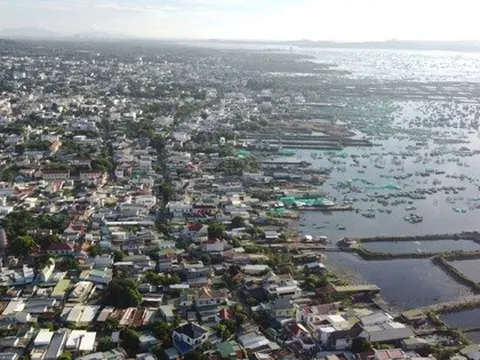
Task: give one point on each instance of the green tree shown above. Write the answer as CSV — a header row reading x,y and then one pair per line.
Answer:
x,y
167,192
102,165
95,250
65,356
158,143
226,150
68,263
216,231
123,293
314,282
48,325
360,345
237,222
22,245
105,344
46,240
163,332
222,331
130,341
17,223
112,324
206,259
118,256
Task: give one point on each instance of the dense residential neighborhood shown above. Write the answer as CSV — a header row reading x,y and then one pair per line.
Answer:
x,y
138,221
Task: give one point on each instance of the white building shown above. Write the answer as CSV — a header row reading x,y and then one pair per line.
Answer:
x,y
43,337
145,200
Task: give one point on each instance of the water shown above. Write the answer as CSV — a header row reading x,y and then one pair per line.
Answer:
x,y
467,319
423,246
469,268
405,65
414,105
405,284
442,212
474,337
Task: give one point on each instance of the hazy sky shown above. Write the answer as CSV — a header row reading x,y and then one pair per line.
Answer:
x,y
253,19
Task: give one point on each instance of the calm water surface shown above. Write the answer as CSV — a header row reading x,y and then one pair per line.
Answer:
x,y
405,284
470,268
464,319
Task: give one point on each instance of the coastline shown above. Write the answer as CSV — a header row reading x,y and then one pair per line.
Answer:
x,y
354,278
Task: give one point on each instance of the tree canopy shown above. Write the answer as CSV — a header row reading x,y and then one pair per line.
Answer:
x,y
237,222
21,245
130,340
216,231
105,344
123,293
65,356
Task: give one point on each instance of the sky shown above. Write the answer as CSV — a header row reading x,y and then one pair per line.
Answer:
x,y
339,20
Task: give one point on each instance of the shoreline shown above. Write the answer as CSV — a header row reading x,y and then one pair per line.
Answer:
x,y
352,277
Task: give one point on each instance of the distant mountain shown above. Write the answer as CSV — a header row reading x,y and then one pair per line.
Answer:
x,y
28,32
101,35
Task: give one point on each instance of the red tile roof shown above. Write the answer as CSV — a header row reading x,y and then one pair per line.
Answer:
x,y
60,246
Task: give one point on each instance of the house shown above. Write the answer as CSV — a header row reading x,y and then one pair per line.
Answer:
x,y
188,337
375,318
74,231
224,314
54,175
315,267
271,236
299,334
471,352
179,209
166,312
61,249
196,230
206,297
46,272
187,297
315,314
214,245
281,286
336,332
256,341
342,339
81,161
389,354
282,308
119,173
388,332
167,261
81,340
414,344
146,201
56,346
86,175
252,269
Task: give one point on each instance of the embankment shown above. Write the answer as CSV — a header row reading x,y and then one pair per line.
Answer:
x,y
474,236
456,274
